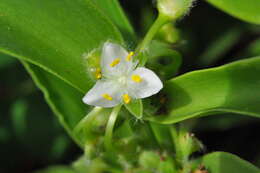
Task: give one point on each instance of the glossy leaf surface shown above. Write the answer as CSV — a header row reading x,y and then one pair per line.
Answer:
x,y
228,88
114,11
242,9
221,162
55,35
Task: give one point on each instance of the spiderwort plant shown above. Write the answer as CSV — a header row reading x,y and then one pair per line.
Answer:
x,y
120,80
111,138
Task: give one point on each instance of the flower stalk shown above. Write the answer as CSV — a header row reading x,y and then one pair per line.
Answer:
x,y
159,22
110,126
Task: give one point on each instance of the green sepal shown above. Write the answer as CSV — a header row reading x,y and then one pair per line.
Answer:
x,y
135,107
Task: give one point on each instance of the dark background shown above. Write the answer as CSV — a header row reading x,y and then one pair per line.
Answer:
x,y
31,137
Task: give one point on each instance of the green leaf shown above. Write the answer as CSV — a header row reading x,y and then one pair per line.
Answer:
x,y
55,35
221,162
64,100
135,107
242,9
228,88
114,11
56,41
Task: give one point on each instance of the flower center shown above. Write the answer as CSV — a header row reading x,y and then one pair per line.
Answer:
x,y
122,80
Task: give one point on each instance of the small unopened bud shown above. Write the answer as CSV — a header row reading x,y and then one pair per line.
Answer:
x,y
92,61
174,9
168,33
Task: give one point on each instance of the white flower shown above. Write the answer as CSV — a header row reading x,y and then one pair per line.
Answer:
x,y
120,80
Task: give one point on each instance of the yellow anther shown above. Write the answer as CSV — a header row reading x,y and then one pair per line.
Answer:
x,y
115,62
98,73
126,98
129,56
136,78
107,97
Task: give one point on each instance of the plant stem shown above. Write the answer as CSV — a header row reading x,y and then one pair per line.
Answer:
x,y
159,22
86,123
110,127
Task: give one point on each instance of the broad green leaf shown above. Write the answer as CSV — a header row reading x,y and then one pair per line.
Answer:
x,y
135,107
64,100
228,88
55,35
242,9
221,162
114,11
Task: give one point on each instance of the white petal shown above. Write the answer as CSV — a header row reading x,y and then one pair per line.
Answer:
x,y
95,95
110,52
150,83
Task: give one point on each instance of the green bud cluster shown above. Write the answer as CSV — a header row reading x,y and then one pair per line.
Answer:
x,y
174,9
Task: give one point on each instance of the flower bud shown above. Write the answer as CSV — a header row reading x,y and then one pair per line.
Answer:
x,y
92,61
168,33
174,9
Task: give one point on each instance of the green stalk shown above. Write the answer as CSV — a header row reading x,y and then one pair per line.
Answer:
x,y
110,127
159,22
86,123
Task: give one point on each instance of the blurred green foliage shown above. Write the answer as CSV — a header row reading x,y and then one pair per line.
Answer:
x,y
30,136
